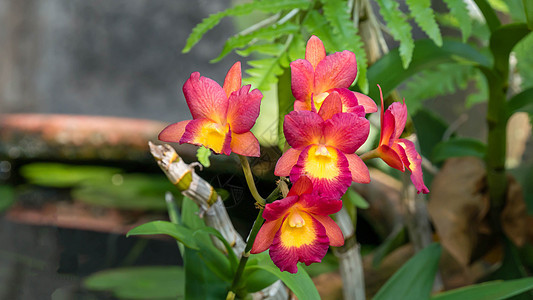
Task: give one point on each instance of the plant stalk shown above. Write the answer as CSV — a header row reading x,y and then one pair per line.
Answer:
x,y
250,181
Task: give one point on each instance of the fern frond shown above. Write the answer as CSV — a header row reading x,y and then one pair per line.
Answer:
x,y
399,28
267,33
318,25
425,18
264,73
347,35
482,90
267,49
267,6
460,11
444,79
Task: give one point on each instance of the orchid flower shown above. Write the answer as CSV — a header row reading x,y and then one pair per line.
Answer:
x,y
222,116
298,228
316,76
323,147
396,152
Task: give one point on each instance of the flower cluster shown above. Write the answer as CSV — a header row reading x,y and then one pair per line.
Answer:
x,y
325,129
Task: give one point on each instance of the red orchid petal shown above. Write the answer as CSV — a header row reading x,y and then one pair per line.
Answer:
x,y
302,128
391,157
265,236
333,231
173,132
320,206
358,169
315,51
232,82
302,80
286,162
346,132
349,102
245,144
331,105
367,102
300,105
387,128
327,168
337,70
204,132
399,111
205,98
279,208
302,186
243,109
307,244
413,162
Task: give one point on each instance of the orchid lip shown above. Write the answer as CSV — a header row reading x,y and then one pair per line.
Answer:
x,y
296,220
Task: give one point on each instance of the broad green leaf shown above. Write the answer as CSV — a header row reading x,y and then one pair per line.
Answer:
x,y
7,197
63,175
389,73
189,214
231,255
269,6
503,40
443,79
425,18
300,283
200,281
180,233
492,290
203,154
215,260
459,10
343,29
429,128
415,278
396,239
162,282
257,279
524,175
399,27
528,9
457,147
356,199
524,65
267,33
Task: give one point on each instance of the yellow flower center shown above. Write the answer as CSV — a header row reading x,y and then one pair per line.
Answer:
x,y
319,99
213,136
295,220
297,229
322,162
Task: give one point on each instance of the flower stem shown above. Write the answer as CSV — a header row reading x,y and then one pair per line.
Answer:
x,y
250,180
369,155
246,254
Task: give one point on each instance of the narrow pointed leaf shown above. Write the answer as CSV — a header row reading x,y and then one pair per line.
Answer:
x,y
414,279
180,233
492,290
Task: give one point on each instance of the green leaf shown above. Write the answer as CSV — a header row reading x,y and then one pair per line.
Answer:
x,y
425,18
396,239
346,34
269,6
528,8
200,281
164,282
503,40
389,73
482,94
267,33
521,102
231,255
459,10
285,103
457,147
430,128
524,175
300,283
7,197
492,290
203,154
270,49
180,233
414,279
264,73
256,279
62,175
399,28
319,26
356,199
443,79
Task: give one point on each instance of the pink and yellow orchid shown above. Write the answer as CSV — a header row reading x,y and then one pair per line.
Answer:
x,y
298,228
316,76
323,148
396,152
222,116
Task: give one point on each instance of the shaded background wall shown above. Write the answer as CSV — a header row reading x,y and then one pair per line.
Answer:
x,y
118,58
